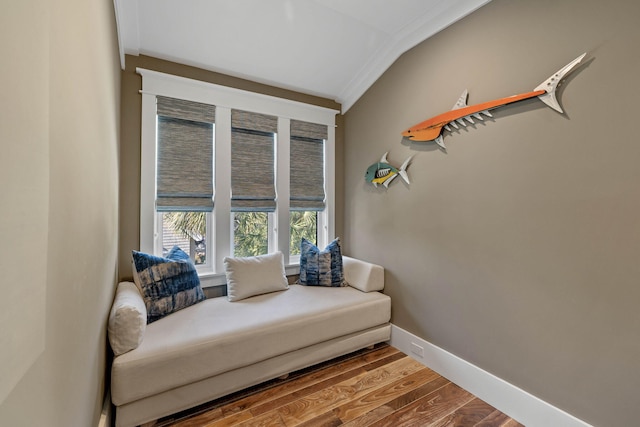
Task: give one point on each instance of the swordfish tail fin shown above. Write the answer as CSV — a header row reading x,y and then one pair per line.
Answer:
x,y
551,84
403,170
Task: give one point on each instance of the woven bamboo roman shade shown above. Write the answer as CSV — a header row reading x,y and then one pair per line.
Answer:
x,y
185,155
307,166
252,162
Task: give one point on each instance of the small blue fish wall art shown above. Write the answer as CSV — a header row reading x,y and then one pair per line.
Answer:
x,y
383,173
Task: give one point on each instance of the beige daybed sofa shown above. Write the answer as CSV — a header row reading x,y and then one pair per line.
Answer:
x,y
217,347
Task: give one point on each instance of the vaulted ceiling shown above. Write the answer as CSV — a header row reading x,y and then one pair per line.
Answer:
x,y
331,48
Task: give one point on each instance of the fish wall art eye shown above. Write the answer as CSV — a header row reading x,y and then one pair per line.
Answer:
x,y
461,113
383,173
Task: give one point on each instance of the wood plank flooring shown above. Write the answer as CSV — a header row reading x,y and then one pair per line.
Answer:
x,y
377,387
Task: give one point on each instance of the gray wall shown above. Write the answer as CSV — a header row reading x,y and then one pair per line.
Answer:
x,y
59,132
518,248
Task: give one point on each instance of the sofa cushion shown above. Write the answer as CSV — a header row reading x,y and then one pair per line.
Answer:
x,y
166,284
217,336
249,276
127,319
321,268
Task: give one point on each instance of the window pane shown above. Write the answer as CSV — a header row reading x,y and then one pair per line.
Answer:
x,y
250,233
303,224
187,230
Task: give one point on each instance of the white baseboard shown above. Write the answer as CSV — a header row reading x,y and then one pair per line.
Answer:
x,y
106,414
513,401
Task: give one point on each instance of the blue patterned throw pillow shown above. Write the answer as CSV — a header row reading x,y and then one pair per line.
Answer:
x,y
321,268
167,284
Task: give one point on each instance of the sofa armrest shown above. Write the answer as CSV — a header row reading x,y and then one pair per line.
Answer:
x,y
127,319
363,275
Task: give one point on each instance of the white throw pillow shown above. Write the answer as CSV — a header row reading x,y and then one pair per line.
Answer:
x,y
256,275
127,320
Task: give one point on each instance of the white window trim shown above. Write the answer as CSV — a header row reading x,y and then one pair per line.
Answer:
x,y
225,99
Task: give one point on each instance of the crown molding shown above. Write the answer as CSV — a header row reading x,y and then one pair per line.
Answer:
x,y
126,12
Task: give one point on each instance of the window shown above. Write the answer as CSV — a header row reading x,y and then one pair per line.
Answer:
x,y
186,229
307,176
253,193
303,224
225,172
184,175
250,233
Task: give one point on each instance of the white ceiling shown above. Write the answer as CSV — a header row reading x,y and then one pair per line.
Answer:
x,y
330,48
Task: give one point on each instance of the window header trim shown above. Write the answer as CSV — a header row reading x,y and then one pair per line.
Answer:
x,y
162,84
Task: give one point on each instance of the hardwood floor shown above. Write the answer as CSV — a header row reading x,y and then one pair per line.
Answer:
x,y
378,387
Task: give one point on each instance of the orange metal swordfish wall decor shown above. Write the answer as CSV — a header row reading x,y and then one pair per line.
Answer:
x,y
431,129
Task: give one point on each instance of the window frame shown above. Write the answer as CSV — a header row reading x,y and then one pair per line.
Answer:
x,y
219,232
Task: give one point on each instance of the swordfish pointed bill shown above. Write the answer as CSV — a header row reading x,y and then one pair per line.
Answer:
x,y
551,84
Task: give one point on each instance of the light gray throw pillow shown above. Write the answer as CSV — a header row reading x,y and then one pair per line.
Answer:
x,y
249,276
